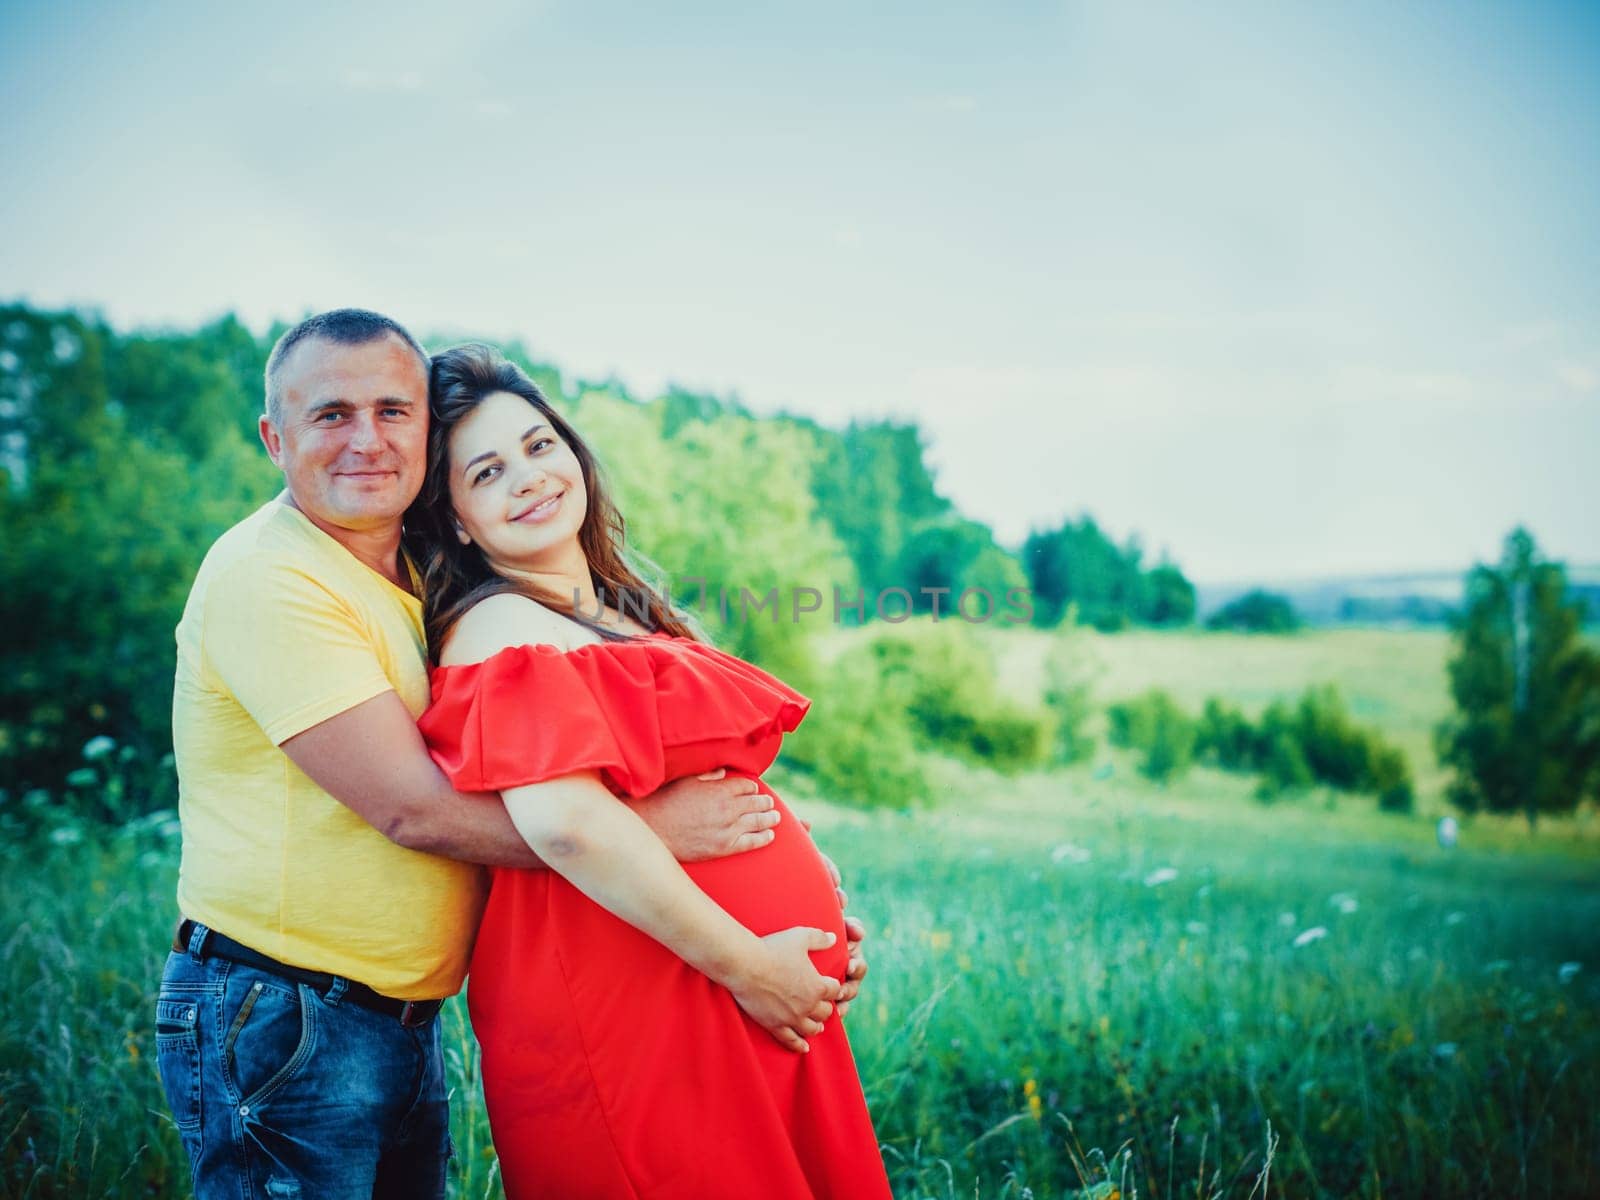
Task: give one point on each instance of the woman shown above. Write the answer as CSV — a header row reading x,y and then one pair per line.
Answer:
x,y
648,1029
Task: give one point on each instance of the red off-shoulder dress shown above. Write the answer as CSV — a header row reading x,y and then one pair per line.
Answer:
x,y
612,1068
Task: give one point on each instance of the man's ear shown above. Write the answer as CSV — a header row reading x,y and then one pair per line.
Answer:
x,y
271,439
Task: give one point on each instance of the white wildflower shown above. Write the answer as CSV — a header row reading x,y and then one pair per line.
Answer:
x,y
1448,832
1567,970
1159,876
1315,934
98,747
1066,852
1454,918
1195,927
1287,920
1344,902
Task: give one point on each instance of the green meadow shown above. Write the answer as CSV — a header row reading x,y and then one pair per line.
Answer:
x,y
1082,984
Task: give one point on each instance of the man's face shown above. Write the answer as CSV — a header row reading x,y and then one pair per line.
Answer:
x,y
354,432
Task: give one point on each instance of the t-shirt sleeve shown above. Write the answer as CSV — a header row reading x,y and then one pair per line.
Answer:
x,y
288,649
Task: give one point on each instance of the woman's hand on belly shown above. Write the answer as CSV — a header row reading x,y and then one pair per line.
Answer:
x,y
781,989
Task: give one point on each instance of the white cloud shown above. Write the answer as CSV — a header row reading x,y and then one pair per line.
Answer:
x,y
1530,333
359,79
1578,376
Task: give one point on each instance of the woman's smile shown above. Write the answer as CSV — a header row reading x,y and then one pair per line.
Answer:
x,y
541,510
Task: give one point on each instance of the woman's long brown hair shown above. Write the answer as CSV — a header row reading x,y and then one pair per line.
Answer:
x,y
455,577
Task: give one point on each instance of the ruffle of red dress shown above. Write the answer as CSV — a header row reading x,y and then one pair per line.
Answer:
x,y
611,1068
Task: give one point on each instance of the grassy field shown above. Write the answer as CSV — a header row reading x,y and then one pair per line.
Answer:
x,y
1391,678
1082,984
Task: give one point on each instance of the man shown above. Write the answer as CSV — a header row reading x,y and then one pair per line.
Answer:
x,y
328,881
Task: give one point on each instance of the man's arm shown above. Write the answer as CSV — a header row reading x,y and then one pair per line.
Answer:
x,y
372,759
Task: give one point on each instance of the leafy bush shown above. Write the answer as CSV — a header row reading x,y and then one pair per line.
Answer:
x,y
945,678
1316,741
1279,756
1225,737
1154,724
1069,699
1338,752
1390,776
857,741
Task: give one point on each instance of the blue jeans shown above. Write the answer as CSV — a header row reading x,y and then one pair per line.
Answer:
x,y
281,1091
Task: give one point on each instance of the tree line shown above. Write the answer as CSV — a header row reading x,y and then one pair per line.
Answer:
x,y
124,454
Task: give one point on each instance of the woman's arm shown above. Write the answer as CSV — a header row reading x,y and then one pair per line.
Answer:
x,y
607,851
580,830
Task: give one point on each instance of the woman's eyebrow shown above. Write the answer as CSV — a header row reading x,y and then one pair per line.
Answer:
x,y
488,454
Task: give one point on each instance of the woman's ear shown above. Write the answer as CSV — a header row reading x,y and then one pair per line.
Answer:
x,y
462,535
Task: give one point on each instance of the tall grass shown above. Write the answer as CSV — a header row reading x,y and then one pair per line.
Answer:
x,y
1078,988
1083,983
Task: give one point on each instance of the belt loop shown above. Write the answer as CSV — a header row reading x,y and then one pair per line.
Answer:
x,y
336,990
197,940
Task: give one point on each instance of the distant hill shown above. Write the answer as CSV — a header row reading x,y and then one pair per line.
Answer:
x,y
1420,598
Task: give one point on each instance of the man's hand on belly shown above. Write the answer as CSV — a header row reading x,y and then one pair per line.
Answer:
x,y
709,816
854,932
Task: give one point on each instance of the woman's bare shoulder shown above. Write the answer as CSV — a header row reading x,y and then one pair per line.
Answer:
x,y
507,619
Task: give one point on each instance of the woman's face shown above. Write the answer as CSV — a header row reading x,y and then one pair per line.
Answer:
x,y
516,487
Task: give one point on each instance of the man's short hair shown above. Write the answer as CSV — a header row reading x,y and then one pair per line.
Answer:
x,y
347,327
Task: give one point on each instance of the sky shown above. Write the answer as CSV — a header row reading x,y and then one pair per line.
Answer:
x,y
1285,290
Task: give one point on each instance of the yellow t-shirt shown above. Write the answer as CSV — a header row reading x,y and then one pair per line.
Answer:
x,y
285,628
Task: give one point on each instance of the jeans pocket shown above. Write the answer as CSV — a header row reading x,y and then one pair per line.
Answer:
x,y
270,1031
178,1059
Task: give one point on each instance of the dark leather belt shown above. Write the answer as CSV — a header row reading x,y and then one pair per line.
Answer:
x,y
410,1013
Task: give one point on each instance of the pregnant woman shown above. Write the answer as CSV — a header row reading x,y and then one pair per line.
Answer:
x,y
649,1029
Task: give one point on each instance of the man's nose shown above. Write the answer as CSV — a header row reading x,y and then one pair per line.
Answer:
x,y
365,435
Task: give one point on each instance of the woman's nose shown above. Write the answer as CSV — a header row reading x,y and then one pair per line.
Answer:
x,y
526,477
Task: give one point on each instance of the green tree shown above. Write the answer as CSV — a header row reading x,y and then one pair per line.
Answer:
x,y
121,458
1078,565
872,484
1525,734
1256,611
1169,596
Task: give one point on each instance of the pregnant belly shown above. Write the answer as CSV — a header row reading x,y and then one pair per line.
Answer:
x,y
542,940
782,884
